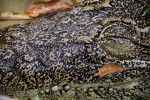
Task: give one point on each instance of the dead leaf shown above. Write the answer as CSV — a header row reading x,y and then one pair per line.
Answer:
x,y
42,8
110,68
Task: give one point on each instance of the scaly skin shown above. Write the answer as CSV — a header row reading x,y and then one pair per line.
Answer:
x,y
69,47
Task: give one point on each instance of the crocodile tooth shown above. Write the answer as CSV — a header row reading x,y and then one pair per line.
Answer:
x,y
111,89
47,90
54,88
41,91
66,88
90,89
35,97
78,89
101,88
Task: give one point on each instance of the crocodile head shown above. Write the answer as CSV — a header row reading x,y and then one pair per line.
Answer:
x,y
59,56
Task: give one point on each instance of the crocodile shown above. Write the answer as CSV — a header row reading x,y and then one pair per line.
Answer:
x,y
58,57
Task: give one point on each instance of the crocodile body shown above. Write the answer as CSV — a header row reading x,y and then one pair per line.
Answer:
x,y
57,57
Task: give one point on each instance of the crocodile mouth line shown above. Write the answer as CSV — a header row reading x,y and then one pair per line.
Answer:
x,y
105,85
73,90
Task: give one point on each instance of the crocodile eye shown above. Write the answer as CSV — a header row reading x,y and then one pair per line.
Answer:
x,y
118,40
119,47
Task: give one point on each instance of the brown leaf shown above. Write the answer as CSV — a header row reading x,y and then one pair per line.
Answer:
x,y
110,68
42,8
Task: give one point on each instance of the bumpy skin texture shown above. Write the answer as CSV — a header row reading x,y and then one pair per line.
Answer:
x,y
69,47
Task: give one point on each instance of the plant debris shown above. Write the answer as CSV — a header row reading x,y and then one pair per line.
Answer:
x,y
110,68
42,8
13,16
